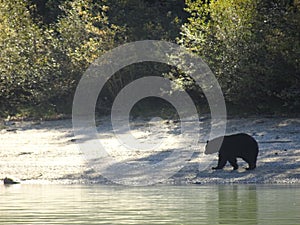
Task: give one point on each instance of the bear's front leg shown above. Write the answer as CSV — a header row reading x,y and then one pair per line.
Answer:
x,y
221,163
233,162
251,161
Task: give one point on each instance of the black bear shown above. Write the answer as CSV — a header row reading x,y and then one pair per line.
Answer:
x,y
234,146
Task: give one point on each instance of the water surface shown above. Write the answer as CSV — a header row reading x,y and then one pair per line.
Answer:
x,y
193,204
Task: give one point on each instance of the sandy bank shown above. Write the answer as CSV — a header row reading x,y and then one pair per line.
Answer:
x,y
47,152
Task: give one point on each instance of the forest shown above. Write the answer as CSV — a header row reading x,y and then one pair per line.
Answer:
x,y
251,46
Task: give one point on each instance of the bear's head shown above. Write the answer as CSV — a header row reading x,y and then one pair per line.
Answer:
x,y
214,145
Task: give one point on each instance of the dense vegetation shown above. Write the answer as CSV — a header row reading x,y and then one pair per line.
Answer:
x,y
252,46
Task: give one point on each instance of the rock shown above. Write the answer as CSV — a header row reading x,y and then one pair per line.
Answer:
x,y
73,140
24,153
11,129
10,181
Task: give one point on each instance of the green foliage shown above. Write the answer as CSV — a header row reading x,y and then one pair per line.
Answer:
x,y
80,36
142,19
251,46
148,19
47,45
279,25
41,65
220,32
26,60
84,31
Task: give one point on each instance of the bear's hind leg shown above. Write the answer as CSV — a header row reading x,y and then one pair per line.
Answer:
x,y
233,162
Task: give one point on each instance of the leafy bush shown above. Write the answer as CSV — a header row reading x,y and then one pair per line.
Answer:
x,y
41,65
251,46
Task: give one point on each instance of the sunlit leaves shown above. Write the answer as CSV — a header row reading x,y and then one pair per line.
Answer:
x,y
251,46
41,64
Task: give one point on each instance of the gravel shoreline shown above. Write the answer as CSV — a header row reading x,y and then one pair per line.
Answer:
x,y
46,152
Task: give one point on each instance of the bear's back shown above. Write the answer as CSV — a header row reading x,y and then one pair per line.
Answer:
x,y
239,143
235,142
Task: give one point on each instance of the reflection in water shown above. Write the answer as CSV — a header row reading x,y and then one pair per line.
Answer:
x,y
194,204
237,202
